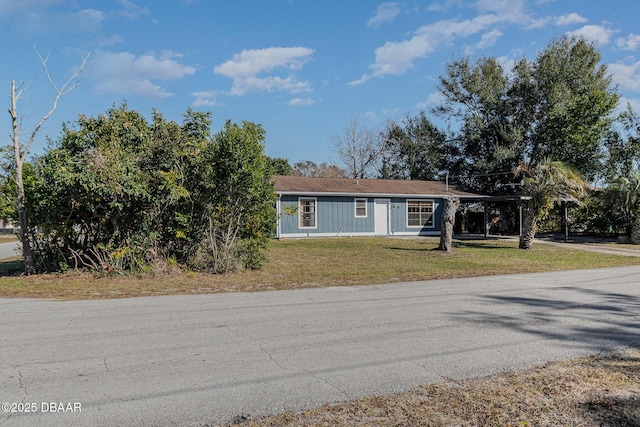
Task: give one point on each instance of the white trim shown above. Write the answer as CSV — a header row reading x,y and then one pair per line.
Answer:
x,y
433,213
355,207
278,217
417,233
315,213
387,219
335,234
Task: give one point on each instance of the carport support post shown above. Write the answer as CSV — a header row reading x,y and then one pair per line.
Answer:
x,y
486,219
520,219
565,220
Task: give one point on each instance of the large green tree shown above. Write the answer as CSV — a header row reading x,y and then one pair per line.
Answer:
x,y
415,149
559,106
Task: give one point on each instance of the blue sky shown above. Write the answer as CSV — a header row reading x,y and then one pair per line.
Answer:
x,y
301,68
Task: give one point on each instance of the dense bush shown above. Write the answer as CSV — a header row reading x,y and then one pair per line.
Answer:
x,y
117,193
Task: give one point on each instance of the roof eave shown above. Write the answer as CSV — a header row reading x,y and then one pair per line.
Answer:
x,y
342,194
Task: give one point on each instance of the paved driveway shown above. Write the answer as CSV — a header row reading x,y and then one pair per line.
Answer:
x,y
196,360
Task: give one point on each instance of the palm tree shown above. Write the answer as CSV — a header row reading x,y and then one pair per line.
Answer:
x,y
545,184
626,194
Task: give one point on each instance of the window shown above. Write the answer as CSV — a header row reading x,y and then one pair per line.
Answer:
x,y
307,213
419,213
361,208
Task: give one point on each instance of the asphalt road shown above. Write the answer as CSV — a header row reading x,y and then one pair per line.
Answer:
x,y
201,359
9,249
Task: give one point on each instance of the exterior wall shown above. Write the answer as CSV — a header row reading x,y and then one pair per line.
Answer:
x,y
399,225
335,216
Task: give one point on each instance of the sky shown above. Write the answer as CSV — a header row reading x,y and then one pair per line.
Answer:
x,y
301,68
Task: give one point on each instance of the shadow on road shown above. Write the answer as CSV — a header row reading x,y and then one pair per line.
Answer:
x,y
608,321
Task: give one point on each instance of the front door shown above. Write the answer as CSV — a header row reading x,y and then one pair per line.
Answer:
x,y
381,216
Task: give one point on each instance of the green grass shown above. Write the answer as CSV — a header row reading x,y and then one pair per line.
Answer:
x,y
321,262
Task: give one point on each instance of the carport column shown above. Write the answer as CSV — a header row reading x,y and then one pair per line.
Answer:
x,y
565,220
278,216
486,219
520,219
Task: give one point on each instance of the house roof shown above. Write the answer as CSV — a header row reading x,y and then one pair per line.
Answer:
x,y
300,185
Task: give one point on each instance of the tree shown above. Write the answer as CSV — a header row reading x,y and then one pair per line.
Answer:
x,y
625,191
240,216
546,184
93,199
622,146
358,148
20,151
574,100
279,166
489,139
451,204
557,107
414,149
118,193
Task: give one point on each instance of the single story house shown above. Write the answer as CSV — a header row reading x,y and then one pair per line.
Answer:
x,y
331,207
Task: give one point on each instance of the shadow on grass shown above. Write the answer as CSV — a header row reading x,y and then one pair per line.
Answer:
x,y
479,245
455,244
11,267
615,410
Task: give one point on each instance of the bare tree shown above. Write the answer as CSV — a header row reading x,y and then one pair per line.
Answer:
x,y
358,148
322,170
21,151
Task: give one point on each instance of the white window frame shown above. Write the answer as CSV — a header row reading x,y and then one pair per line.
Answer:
x,y
433,208
301,212
355,207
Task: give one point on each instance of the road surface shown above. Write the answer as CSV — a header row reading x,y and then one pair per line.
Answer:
x,y
201,359
9,249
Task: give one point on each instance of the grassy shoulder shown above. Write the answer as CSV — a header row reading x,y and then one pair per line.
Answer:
x,y
320,262
593,391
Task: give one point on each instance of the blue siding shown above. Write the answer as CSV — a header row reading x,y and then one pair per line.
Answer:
x,y
399,216
335,216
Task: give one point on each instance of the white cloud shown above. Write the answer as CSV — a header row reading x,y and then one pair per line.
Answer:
x,y
570,19
386,12
396,58
631,42
45,22
301,102
8,7
246,67
205,99
433,100
489,39
596,33
622,104
123,73
132,10
627,76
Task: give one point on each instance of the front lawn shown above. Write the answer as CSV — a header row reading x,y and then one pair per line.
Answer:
x,y
322,262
